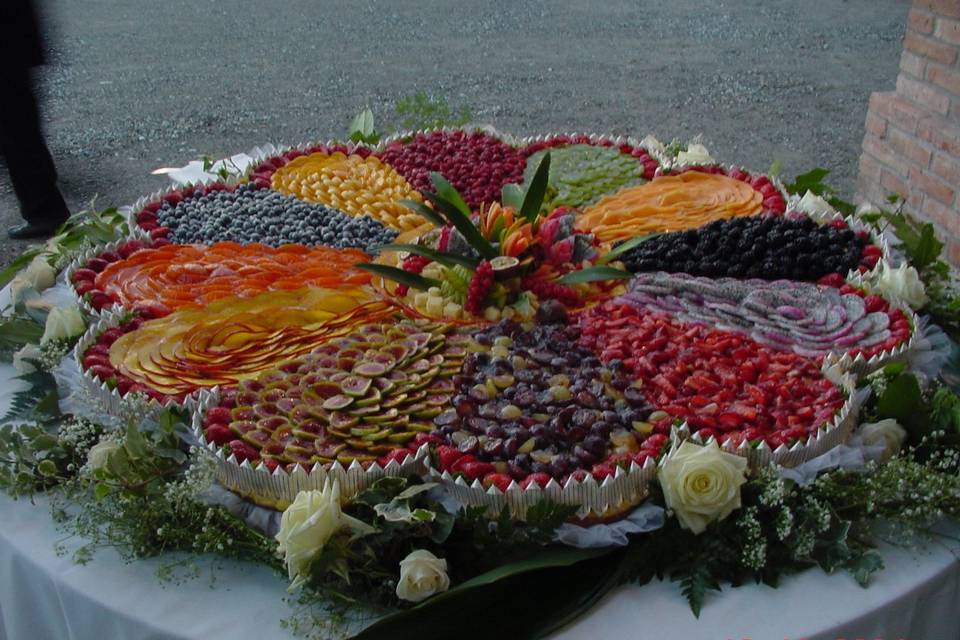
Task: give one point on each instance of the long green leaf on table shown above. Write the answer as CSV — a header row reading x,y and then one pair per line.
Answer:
x,y
446,191
16,332
621,249
594,274
463,224
432,216
399,275
533,199
512,196
532,598
446,259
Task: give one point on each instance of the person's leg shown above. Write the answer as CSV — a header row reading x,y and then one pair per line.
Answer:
x,y
28,160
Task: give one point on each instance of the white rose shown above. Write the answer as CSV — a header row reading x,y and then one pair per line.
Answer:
x,y
422,574
27,352
903,282
695,154
63,322
19,288
653,145
39,274
886,432
702,484
813,204
308,523
98,454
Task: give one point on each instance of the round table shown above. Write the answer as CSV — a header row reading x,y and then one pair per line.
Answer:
x,y
43,595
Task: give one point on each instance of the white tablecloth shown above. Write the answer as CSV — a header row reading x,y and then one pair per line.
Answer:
x,y
45,596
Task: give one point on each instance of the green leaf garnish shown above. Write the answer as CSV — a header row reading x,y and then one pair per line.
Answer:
x,y
810,181
512,196
399,275
19,263
361,129
533,199
626,246
446,259
446,191
594,274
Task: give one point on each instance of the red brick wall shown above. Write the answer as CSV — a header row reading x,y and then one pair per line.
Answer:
x,y
912,141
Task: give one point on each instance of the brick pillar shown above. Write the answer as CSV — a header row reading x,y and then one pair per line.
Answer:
x,y
912,141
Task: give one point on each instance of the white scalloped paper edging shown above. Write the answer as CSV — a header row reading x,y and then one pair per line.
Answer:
x,y
110,400
279,488
834,433
627,488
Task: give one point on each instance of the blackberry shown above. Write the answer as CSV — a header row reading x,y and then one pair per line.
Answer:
x,y
752,247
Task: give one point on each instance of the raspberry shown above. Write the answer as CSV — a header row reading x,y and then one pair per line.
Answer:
x,y
415,264
547,290
480,285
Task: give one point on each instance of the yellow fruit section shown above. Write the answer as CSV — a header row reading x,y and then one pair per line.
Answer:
x,y
670,203
353,184
232,340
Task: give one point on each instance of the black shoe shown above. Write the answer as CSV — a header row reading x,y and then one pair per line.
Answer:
x,y
31,230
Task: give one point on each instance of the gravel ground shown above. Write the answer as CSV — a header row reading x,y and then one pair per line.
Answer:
x,y
136,84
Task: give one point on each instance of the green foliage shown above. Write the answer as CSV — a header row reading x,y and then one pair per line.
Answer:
x,y
448,203
362,128
920,242
421,111
38,402
536,191
20,262
813,181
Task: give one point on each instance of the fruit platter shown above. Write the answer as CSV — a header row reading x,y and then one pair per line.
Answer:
x,y
509,323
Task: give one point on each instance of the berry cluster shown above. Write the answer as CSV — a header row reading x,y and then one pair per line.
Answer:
x,y
249,213
474,163
723,385
480,285
546,290
411,264
764,247
650,164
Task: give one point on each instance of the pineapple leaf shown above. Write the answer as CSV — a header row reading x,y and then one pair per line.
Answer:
x,y
446,191
620,249
464,225
594,274
399,275
512,196
533,198
446,259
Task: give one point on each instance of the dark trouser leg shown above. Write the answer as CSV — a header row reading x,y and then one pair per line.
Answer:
x,y
21,142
